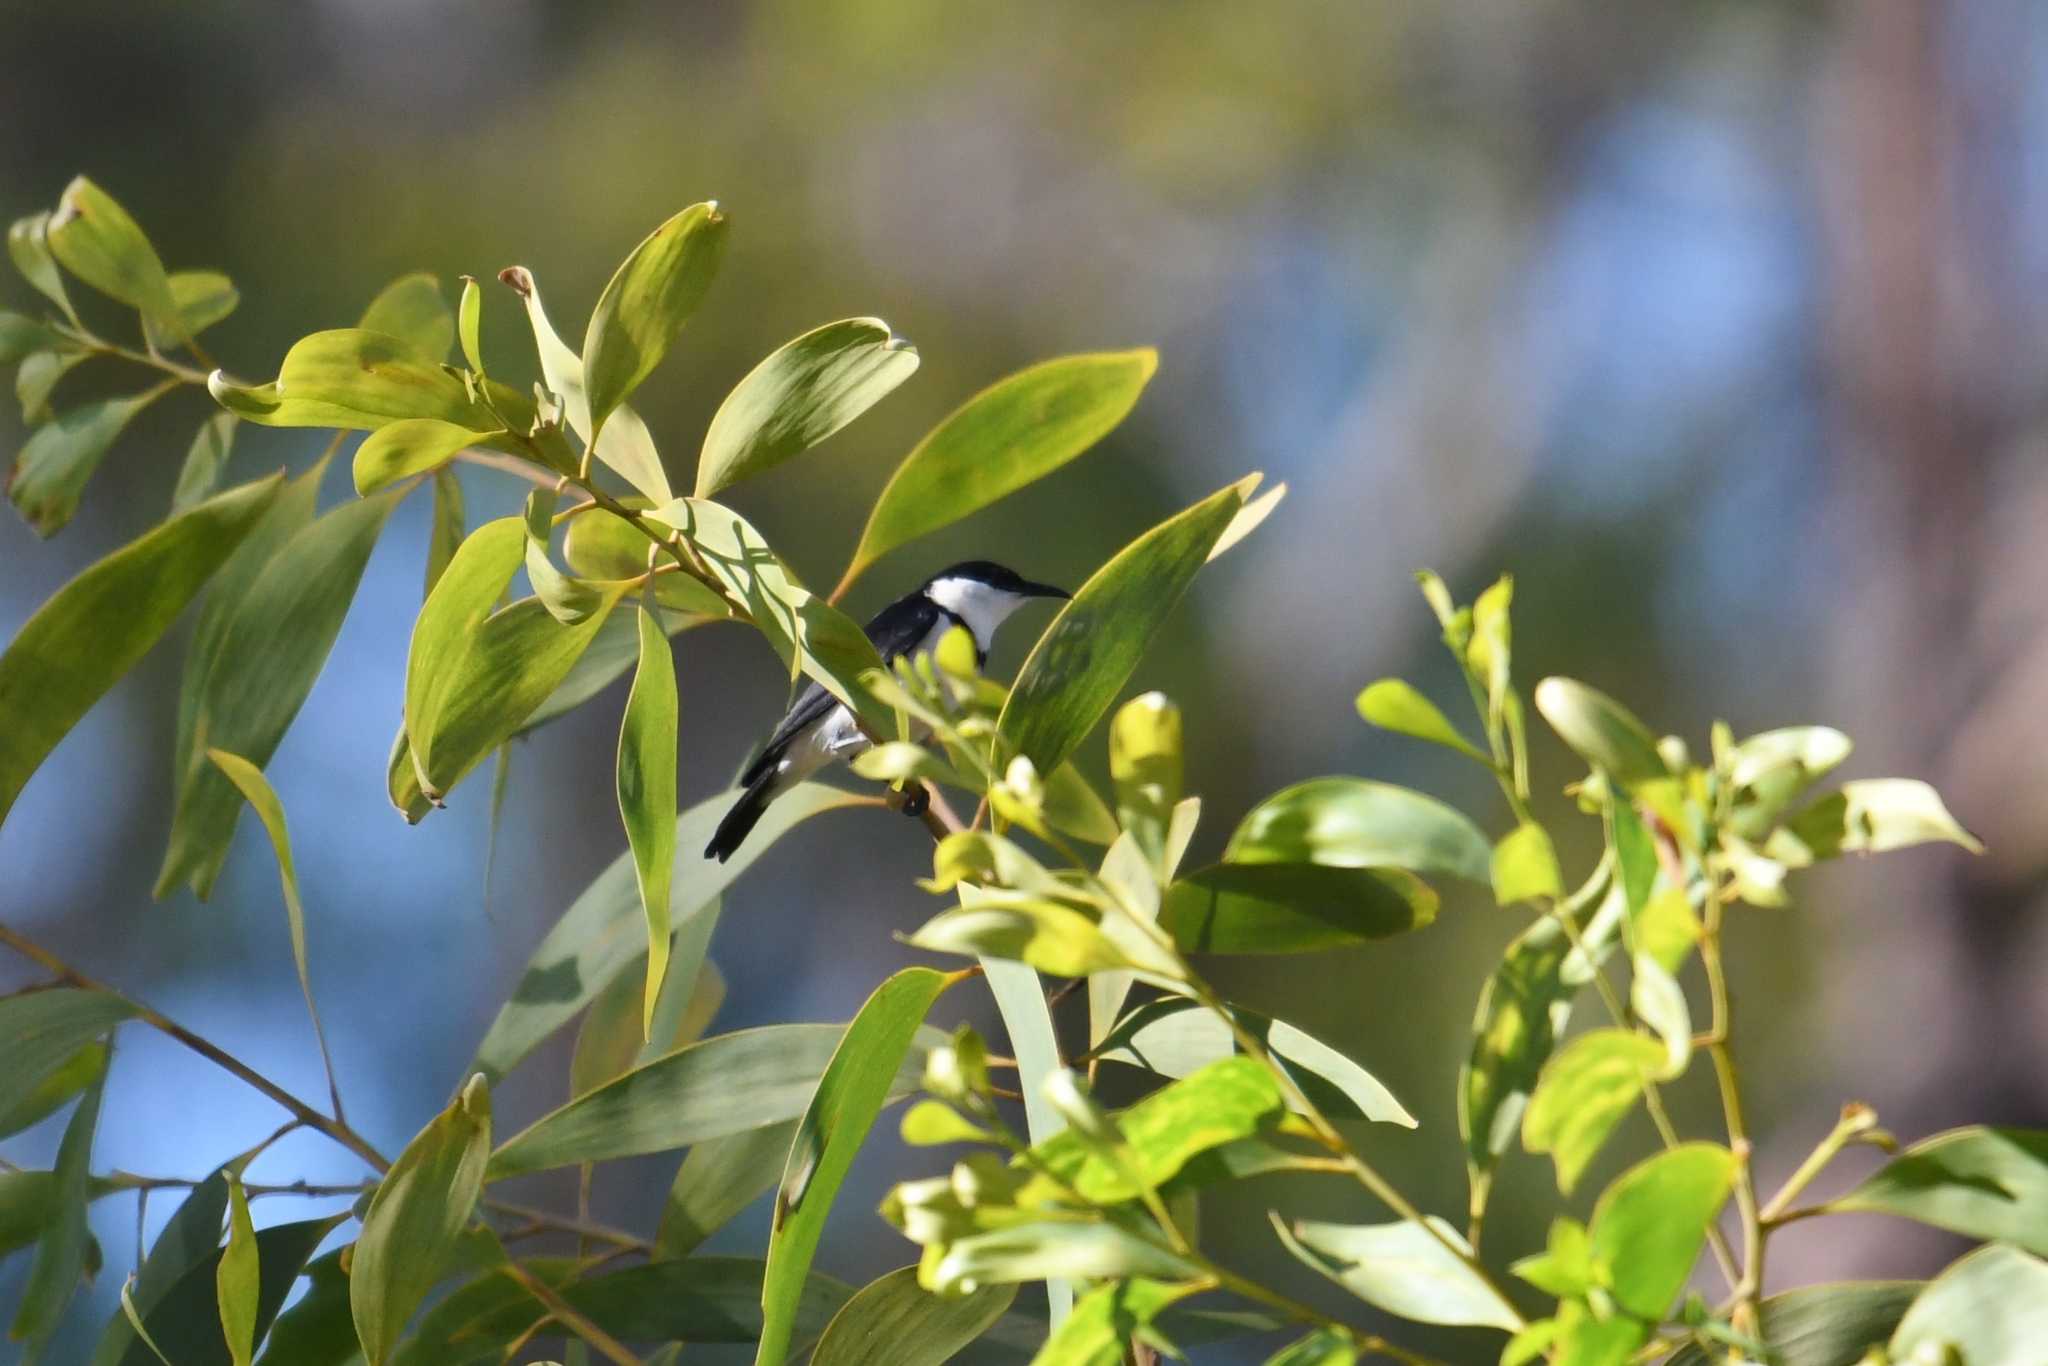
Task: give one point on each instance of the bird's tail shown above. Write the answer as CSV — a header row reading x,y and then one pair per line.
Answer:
x,y
740,821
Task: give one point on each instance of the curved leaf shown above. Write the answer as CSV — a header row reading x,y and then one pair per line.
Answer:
x,y
1874,815
99,243
1981,1182
1584,1092
1292,907
53,469
1027,1019
185,1322
189,1238
647,795
1401,1268
407,447
1823,1325
413,309
803,392
1601,731
28,244
1394,705
719,1178
652,295
1648,1226
206,458
1357,823
201,298
96,627
1011,433
1086,655
1107,1319
895,1322
237,1280
61,1251
1991,1306
859,1079
356,379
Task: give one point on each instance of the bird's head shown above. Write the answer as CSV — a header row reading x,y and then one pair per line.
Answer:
x,y
983,594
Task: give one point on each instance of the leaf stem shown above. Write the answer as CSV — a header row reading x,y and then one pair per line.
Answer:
x,y
1750,1287
570,1317
1857,1119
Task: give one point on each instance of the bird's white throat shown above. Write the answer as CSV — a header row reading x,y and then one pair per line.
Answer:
x,y
982,606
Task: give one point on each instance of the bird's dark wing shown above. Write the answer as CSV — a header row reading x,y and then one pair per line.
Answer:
x,y
896,630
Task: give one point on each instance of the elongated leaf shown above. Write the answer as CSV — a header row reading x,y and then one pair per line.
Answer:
x,y
1823,1325
20,335
41,1031
1078,666
1356,823
249,780
856,1083
1069,1250
415,1219
1027,1019
1875,815
316,1330
99,243
97,626
238,1279
1772,770
895,1322
28,244
207,458
1403,1269
1583,1093
54,467
359,380
719,1178
1050,937
652,295
407,447
810,634
1649,1225
60,1254
1982,1182
1292,907
1991,1306
448,531
601,933
27,1200
190,1237
1016,431
56,1087
1603,732
1107,1319
259,673
201,298
718,1086
413,309
38,377
647,793
802,393
611,1039
1394,705
185,1322
1525,866
1174,1036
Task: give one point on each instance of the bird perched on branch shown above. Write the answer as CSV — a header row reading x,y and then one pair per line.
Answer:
x,y
820,730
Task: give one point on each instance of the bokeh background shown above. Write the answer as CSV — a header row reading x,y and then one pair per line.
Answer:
x,y
1718,324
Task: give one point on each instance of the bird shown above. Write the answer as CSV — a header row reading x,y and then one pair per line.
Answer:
x,y
819,729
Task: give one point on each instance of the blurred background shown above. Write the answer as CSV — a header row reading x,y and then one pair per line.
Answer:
x,y
1718,324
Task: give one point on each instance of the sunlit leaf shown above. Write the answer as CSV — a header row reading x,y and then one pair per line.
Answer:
x,y
420,1209
1401,1268
652,295
647,793
802,393
1078,666
1525,866
357,379
1016,431
1770,771
238,1279
259,672
1049,936
1145,765
1027,1019
1991,1306
1394,705
413,309
1292,907
895,1322
54,467
1584,1092
204,463
1107,1319
850,1094
201,299
96,627
1357,823
1874,815
1070,1250
97,241
1648,1226
1602,732
407,447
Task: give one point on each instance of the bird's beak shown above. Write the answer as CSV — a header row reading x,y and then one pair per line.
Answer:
x,y
1045,590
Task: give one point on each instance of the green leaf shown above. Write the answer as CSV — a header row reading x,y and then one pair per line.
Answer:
x,y
1402,1269
802,393
722,1085
237,1280
1823,1325
647,793
469,315
1649,1225
190,1237
1027,1019
200,475
1016,431
416,1218
1771,770
895,1322
859,1079
1049,936
97,241
38,377
1320,1348
60,1254
1356,823
407,447
201,298
54,467
28,243
27,1199
652,295
1069,1250
42,1031
1991,1306
1601,731
719,1178
1982,1182
1174,1036
257,673
185,1321
1523,1009
1564,1269
413,309
1106,1320
603,931
1145,767
357,379
1583,1093
21,335
249,780
1876,815
1078,666
1525,866
1292,907
1488,655
316,1330
1656,999
1075,809
56,1086
448,530
1393,705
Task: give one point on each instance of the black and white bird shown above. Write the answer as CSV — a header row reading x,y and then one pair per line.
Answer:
x,y
820,730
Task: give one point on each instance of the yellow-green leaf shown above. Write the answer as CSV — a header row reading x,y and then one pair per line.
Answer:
x,y
54,467
652,295
647,794
896,1322
99,243
1583,1093
356,379
207,457
1394,705
201,298
408,447
28,244
413,309
237,1278
1525,866
1602,731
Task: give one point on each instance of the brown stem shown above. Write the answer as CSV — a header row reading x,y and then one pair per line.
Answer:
x,y
572,1318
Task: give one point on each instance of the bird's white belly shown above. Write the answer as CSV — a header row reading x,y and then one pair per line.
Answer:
x,y
837,736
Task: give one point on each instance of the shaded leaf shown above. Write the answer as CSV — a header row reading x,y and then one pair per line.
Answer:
x,y
28,244
802,393
895,1322
48,1094
1991,1306
204,463
99,243
1601,731
652,295
858,1080
1016,431
316,1330
647,794
201,298
27,1200
1823,1325
413,309
1078,666
1402,1269
190,1237
1292,907
61,1251
1583,1093
719,1178
54,467
38,377
448,528
20,335
185,1321
1982,1182
42,1031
